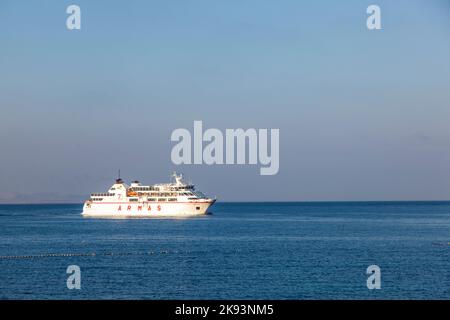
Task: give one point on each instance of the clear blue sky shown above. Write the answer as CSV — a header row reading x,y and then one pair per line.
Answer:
x,y
363,115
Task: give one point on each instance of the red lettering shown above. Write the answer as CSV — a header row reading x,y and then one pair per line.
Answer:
x,y
159,208
120,208
139,208
129,208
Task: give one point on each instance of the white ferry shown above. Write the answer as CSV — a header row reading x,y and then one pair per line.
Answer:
x,y
176,199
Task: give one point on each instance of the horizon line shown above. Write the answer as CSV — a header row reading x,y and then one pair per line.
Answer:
x,y
271,201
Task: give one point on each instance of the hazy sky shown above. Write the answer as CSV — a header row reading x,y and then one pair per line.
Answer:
x,y
363,115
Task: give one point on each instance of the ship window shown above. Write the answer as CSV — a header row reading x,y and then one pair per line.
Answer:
x,y
151,199
172,199
162,199
133,200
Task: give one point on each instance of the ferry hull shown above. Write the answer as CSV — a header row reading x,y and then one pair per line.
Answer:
x,y
146,209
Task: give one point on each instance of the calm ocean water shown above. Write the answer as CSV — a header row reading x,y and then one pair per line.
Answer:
x,y
242,251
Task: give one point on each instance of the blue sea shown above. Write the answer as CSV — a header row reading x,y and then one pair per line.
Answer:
x,y
240,251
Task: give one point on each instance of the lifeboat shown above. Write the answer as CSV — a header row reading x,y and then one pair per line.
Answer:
x,y
131,193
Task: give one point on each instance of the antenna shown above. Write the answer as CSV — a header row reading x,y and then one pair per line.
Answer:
x,y
119,173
